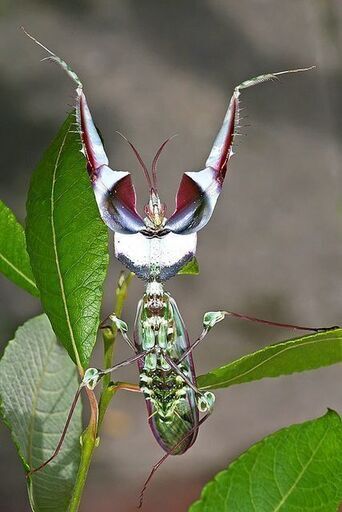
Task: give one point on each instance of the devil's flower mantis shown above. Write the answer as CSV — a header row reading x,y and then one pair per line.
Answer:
x,y
155,247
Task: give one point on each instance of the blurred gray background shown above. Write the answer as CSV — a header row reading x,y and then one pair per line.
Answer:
x,y
273,247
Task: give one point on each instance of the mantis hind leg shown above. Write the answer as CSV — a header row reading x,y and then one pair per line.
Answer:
x,y
163,459
211,318
61,440
91,378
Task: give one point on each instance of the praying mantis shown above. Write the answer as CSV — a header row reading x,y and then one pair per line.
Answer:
x,y
155,247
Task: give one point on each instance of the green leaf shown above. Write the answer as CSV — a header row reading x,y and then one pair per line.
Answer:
x,y
297,469
190,268
68,243
296,355
37,384
14,260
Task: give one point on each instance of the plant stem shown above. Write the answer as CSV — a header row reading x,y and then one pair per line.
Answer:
x,y
109,337
88,445
89,436
110,333
89,442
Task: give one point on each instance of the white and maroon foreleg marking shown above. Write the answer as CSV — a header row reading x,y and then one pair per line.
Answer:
x,y
198,191
114,191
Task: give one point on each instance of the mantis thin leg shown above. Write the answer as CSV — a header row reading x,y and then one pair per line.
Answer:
x,y
93,375
278,324
220,315
126,386
127,362
163,459
91,383
121,327
195,344
128,341
184,377
61,440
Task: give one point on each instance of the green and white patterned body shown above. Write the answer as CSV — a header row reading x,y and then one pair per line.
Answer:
x,y
171,401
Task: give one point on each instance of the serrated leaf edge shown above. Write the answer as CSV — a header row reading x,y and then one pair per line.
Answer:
x,y
330,413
